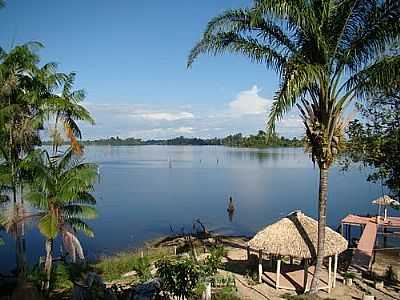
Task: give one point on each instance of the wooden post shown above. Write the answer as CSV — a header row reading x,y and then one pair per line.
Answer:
x,y
278,272
305,274
174,250
248,253
329,273
349,233
260,268
335,270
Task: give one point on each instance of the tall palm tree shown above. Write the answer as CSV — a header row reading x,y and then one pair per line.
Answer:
x,y
61,191
327,53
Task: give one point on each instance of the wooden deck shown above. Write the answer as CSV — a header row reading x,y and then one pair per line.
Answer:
x,y
362,256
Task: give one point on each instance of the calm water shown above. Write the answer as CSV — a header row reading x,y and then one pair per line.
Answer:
x,y
146,190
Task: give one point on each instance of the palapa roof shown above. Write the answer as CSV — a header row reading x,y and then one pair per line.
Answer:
x,y
385,200
296,235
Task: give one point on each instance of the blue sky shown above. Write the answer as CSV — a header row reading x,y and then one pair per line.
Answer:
x,y
130,57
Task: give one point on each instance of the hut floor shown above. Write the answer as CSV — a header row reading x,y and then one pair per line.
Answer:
x,y
292,277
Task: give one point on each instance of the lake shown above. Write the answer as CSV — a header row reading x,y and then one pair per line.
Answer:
x,y
146,191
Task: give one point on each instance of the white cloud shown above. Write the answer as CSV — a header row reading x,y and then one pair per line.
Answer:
x,y
246,113
166,116
183,130
249,102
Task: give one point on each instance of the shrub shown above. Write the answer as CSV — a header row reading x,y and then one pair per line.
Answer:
x,y
179,277
213,261
60,277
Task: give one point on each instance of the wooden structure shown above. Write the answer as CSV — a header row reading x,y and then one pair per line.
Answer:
x,y
370,226
295,238
385,201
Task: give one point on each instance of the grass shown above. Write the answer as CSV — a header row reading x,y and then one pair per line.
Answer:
x,y
113,267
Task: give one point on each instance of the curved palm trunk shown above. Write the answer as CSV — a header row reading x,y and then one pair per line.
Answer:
x,y
48,263
323,196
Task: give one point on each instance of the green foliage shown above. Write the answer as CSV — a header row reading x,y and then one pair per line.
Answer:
x,y
36,276
214,261
186,277
227,293
61,190
179,277
374,141
349,275
61,277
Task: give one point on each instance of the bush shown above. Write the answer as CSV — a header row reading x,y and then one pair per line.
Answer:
x,y
61,277
214,261
179,277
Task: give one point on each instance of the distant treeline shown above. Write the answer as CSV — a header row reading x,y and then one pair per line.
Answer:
x,y
236,140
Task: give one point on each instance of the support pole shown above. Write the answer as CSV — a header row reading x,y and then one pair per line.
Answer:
x,y
248,253
385,218
278,272
305,274
341,229
329,273
260,268
335,271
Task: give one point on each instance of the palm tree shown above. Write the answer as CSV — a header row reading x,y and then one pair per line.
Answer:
x,y
327,53
67,109
61,192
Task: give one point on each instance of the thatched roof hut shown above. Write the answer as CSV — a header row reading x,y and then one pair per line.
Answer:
x,y
296,236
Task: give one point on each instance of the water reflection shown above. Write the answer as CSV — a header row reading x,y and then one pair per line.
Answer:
x,y
231,209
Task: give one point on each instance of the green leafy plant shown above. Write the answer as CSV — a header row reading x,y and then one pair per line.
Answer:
x,y
213,261
179,277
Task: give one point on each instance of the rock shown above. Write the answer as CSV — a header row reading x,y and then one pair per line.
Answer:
x,y
148,290
379,285
93,287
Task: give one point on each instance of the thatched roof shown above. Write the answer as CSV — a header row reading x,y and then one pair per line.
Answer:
x,y
296,236
385,200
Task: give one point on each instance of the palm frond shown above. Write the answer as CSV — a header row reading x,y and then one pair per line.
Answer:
x,y
79,211
48,225
79,225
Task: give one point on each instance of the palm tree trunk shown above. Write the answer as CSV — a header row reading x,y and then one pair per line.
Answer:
x,y
323,196
48,263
